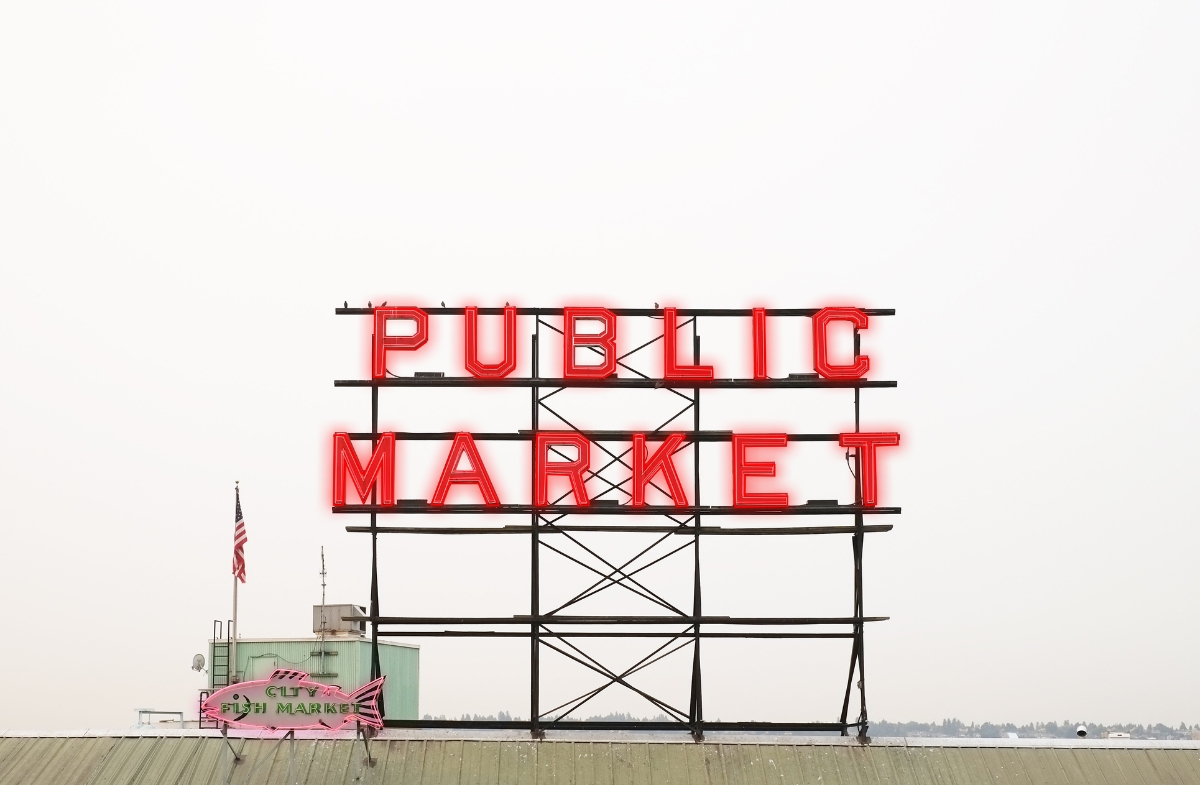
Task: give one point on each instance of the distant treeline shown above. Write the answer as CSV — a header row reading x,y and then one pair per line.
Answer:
x,y
949,728
953,728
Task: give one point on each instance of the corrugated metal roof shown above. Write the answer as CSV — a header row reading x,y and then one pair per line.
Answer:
x,y
203,759
52,761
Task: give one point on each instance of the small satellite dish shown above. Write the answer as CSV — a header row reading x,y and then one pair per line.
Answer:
x,y
198,662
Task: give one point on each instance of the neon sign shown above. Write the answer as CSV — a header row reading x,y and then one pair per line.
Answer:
x,y
378,473
592,349
288,700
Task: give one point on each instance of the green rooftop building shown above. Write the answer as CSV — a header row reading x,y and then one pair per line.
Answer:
x,y
338,653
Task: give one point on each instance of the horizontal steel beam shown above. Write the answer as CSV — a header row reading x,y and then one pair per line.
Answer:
x,y
424,508
795,727
526,634
684,529
495,311
596,436
616,382
762,621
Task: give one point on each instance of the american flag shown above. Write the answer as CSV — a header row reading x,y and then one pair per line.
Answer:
x,y
239,540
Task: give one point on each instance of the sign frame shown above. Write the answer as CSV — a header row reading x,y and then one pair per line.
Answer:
x,y
545,520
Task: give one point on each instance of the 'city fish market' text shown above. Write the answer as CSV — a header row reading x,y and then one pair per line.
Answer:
x,y
288,708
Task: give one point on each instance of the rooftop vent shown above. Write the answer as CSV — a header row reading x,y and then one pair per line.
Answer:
x,y
328,619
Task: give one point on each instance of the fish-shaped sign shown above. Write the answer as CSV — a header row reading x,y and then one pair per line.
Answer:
x,y
289,701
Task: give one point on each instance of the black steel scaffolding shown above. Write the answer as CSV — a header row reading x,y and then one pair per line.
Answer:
x,y
676,628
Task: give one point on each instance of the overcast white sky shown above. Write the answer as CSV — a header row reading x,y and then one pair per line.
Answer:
x,y
187,192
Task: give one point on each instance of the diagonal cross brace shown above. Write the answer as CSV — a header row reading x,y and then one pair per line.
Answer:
x,y
641,664
603,671
614,568
608,582
619,359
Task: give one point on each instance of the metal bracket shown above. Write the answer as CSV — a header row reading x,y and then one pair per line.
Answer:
x,y
290,735
365,733
237,758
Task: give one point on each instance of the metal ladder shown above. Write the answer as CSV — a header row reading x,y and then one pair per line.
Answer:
x,y
219,667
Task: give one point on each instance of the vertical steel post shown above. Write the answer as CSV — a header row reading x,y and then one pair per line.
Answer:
x,y
856,544
534,590
376,671
696,708
859,539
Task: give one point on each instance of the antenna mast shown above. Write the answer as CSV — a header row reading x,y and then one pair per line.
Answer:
x,y
321,638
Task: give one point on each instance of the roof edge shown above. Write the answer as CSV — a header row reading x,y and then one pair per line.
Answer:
x,y
630,736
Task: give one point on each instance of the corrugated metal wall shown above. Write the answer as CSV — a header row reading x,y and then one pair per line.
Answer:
x,y
402,666
193,760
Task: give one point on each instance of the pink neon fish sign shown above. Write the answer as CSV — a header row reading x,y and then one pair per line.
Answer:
x,y
287,700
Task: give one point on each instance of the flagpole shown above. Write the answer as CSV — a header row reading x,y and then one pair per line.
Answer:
x,y
233,626
233,637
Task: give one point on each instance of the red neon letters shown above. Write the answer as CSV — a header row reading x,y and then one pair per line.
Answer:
x,y
380,469
573,469
644,469
821,364
376,479
743,468
476,475
605,342
495,370
866,443
759,321
671,367
382,343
